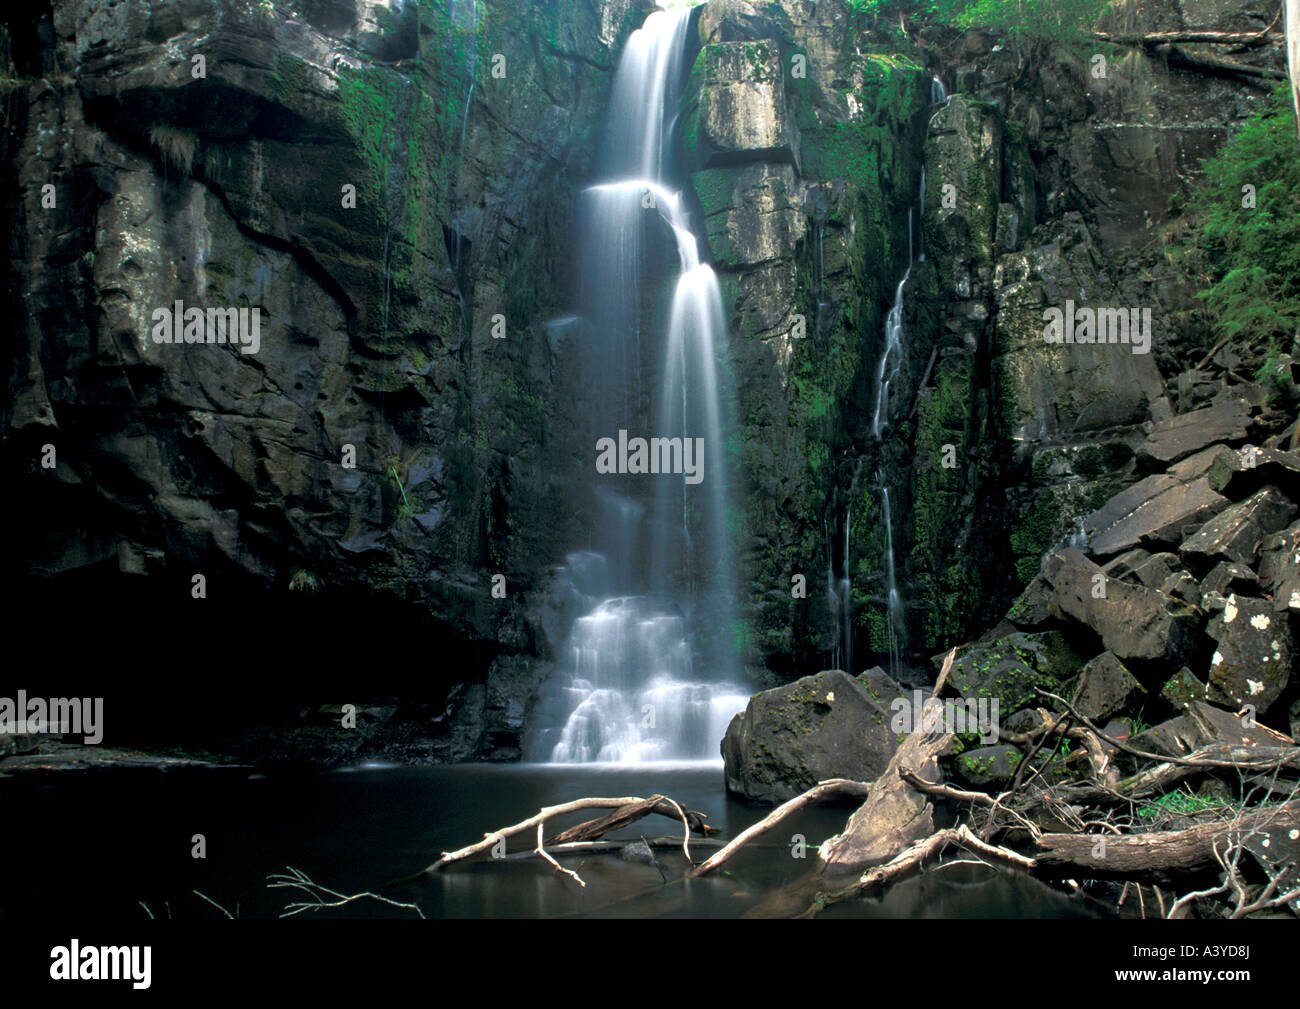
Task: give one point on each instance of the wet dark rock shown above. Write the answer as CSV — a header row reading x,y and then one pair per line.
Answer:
x,y
988,767
1186,433
1242,473
1126,564
1156,510
882,688
1181,585
1199,725
1155,571
1279,569
1109,688
1236,532
1133,622
1182,688
1228,577
1010,669
637,851
1255,656
1033,607
789,738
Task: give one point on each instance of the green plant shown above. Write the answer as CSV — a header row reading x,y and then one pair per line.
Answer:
x,y
1056,21
1248,206
1180,802
303,580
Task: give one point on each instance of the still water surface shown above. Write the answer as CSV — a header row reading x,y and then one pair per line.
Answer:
x,y
103,842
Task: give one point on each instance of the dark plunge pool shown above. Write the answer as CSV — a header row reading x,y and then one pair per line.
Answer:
x,y
107,844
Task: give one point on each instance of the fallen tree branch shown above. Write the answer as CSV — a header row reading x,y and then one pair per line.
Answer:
x,y
912,859
1183,60
1204,38
894,814
541,850
1257,758
592,830
613,847
961,795
296,879
1128,854
832,786
541,817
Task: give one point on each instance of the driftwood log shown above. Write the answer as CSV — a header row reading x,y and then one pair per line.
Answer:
x,y
622,816
587,831
895,813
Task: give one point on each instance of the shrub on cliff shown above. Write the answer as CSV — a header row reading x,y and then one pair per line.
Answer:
x,y
1249,208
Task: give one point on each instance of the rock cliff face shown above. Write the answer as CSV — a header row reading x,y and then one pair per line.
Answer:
x,y
385,182
392,184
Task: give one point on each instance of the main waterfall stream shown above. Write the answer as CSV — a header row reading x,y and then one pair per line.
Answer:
x,y
658,576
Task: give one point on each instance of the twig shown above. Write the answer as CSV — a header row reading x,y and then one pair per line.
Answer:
x,y
295,879
213,903
558,868
832,786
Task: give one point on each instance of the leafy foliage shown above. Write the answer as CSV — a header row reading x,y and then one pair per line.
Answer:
x,y
1252,254
1060,21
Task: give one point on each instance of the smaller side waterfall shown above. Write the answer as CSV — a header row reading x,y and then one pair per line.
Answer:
x,y
938,93
890,362
892,357
894,601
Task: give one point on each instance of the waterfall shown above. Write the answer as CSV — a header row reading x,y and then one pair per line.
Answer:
x,y
893,355
938,93
893,601
627,688
886,372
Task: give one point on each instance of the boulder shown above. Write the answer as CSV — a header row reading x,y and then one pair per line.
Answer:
x,y
1133,621
1199,725
1008,670
1227,577
1235,533
1253,661
1155,571
1033,607
1109,688
741,111
1025,720
1239,474
1126,564
789,738
988,767
882,688
1279,569
1182,688
1180,436
1181,585
1156,510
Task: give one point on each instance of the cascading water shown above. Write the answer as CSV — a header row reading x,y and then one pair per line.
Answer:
x,y
890,362
626,689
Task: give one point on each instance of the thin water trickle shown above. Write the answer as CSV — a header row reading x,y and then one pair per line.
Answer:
x,y
886,372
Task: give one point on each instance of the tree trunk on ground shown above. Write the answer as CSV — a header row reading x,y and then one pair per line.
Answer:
x,y
895,814
1180,850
